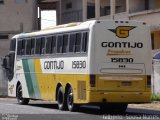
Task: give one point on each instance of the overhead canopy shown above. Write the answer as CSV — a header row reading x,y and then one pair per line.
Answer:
x,y
47,4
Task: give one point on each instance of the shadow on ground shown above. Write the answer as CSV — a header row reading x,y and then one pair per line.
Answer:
x,y
93,110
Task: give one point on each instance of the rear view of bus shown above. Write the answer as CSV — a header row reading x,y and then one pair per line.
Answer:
x,y
120,63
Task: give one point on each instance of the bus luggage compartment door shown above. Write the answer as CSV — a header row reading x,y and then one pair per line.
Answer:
x,y
117,77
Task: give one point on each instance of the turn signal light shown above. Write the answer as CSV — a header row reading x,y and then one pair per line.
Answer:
x,y
148,81
92,80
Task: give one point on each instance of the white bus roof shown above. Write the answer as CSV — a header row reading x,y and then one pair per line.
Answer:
x,y
66,28
58,29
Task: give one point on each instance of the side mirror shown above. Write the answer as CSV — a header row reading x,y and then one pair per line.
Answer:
x,y
4,63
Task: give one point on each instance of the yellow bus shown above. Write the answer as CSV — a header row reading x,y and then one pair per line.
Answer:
x,y
105,63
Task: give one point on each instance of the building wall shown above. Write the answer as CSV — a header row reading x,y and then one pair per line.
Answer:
x,y
156,42
120,6
139,5
71,11
147,16
16,16
154,4
136,5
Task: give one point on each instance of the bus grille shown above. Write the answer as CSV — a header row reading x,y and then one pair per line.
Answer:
x,y
81,90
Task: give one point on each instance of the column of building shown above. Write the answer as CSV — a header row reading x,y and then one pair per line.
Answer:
x,y
97,9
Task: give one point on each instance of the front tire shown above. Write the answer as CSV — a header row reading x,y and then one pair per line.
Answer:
x,y
70,101
20,99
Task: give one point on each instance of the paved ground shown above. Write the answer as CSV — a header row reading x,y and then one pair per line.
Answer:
x,y
40,110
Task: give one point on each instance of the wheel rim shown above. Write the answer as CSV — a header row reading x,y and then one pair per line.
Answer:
x,y
70,98
19,94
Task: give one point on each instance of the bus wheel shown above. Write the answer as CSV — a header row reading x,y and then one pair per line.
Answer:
x,y
70,101
20,99
61,99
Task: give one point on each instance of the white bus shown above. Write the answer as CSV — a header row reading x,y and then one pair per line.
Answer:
x,y
106,63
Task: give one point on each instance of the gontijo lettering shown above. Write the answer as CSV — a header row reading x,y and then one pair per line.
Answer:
x,y
122,44
54,65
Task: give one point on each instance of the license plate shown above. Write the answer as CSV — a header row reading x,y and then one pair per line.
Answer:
x,y
126,83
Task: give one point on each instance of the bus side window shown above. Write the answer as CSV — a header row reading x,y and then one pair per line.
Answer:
x,y
72,43
49,45
43,40
78,42
54,42
84,42
32,46
28,47
65,44
23,47
13,45
19,48
38,46
59,44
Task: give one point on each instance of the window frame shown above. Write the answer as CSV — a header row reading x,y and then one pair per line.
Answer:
x,y
54,51
73,51
70,48
43,50
28,39
87,41
34,48
50,52
24,46
67,47
35,52
59,35
79,44
13,45
19,49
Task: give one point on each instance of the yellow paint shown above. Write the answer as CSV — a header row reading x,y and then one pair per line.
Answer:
x,y
111,90
116,85
39,77
124,97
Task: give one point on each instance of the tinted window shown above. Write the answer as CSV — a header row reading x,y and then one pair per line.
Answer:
x,y
72,42
59,44
23,47
43,45
13,45
32,46
48,45
54,41
78,42
19,47
28,47
84,42
65,44
38,46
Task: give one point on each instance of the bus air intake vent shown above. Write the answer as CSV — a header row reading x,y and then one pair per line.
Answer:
x,y
81,90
